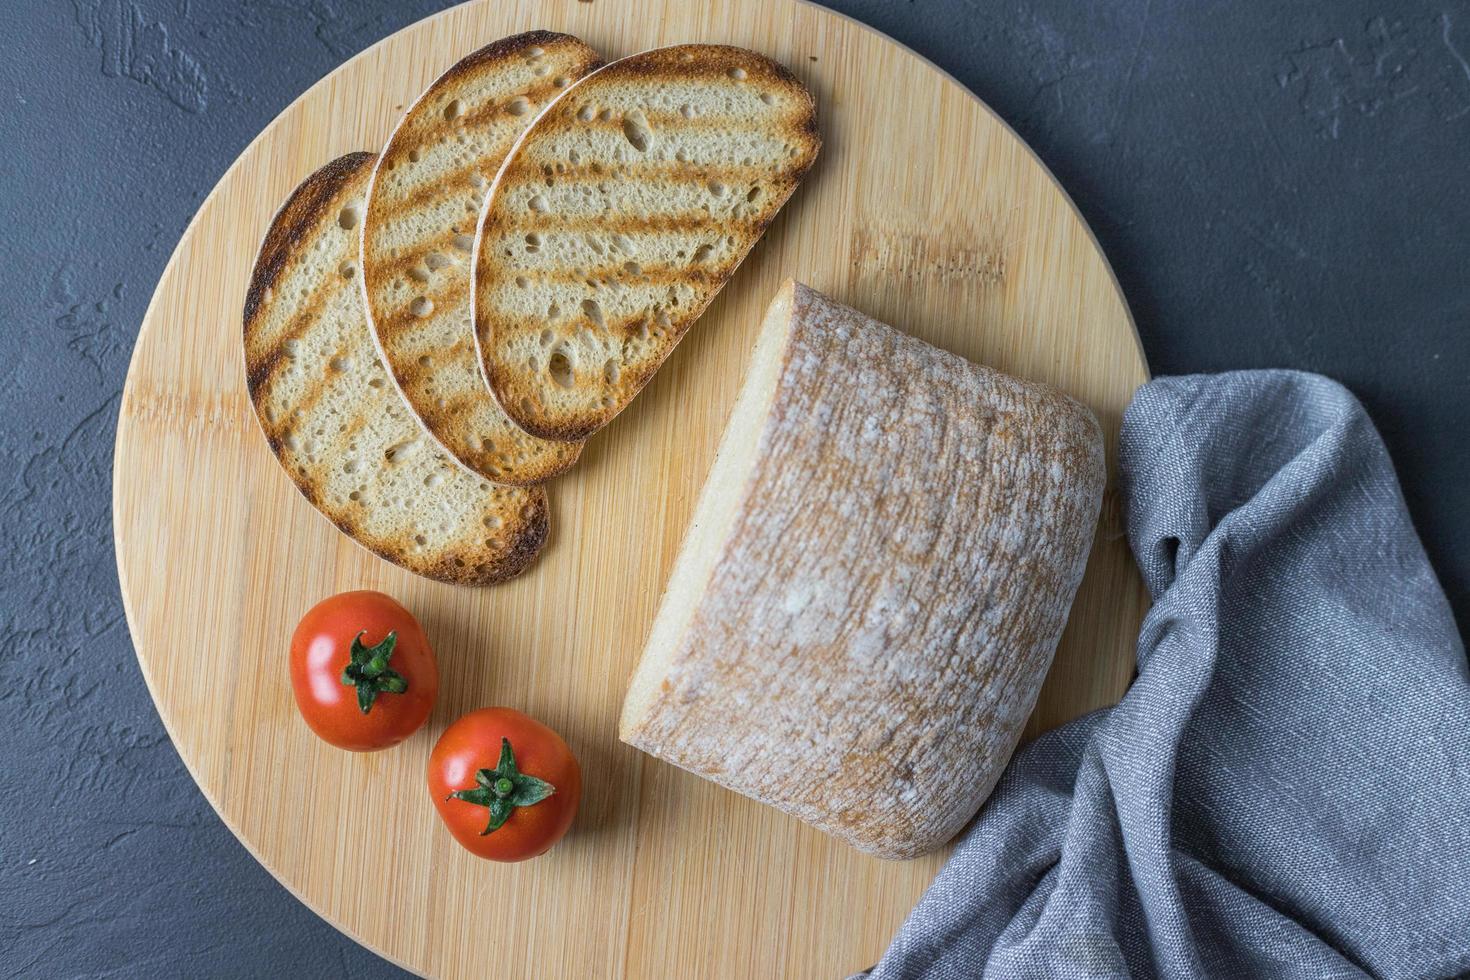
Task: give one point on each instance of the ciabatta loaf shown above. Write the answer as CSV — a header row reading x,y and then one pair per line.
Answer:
x,y
336,423
620,214
424,199
874,581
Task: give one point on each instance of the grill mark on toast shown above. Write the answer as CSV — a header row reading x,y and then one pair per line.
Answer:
x,y
538,97
529,171
288,230
628,224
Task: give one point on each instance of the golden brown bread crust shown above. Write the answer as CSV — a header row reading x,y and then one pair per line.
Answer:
x,y
866,605
423,201
606,361
308,354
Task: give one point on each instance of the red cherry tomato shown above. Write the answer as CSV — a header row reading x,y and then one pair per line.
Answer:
x,y
505,785
364,675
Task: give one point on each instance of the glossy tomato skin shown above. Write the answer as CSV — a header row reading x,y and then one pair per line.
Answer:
x,y
320,649
473,743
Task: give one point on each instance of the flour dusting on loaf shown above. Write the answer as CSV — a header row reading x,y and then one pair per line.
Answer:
x,y
874,582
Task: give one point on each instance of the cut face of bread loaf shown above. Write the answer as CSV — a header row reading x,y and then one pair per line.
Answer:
x,y
874,581
417,239
333,418
619,216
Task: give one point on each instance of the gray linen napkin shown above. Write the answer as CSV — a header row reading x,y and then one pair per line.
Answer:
x,y
1285,789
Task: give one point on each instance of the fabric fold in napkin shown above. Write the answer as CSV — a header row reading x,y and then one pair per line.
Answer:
x,y
1285,789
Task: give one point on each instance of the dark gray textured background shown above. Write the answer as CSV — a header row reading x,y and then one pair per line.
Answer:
x,y
1276,183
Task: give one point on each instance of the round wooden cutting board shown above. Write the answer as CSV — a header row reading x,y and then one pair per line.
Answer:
x,y
924,210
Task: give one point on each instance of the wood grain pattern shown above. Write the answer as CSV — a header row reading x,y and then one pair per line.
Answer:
x,y
924,210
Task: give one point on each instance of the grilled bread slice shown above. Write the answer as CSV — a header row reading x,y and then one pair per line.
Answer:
x,y
333,418
423,201
619,215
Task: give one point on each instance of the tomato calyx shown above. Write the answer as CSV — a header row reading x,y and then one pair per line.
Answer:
x,y
503,788
368,671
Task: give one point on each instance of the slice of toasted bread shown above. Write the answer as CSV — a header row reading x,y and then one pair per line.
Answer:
x,y
619,215
423,201
333,418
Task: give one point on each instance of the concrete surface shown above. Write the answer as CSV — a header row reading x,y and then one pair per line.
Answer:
x,y
1276,183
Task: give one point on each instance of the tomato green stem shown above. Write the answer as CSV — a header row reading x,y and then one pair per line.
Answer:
x,y
368,671
503,788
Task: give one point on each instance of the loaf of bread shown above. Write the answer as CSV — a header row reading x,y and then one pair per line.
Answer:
x,y
874,582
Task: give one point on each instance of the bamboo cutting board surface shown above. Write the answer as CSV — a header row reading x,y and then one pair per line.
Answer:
x,y
924,210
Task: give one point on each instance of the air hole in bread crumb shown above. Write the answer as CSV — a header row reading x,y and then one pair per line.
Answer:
x,y
547,337
351,466
587,112
594,244
687,111
453,110
459,563
418,275
685,56
532,364
605,115
553,311
537,204
716,188
533,242
414,156
633,268
346,270
768,98
464,242
559,366
477,180
681,156
348,217
518,106
575,158
754,195
737,73
424,360
594,312
420,540
435,260
354,496
433,480
375,383
493,521
422,306
339,364
636,131
526,406
396,452
290,347
610,371
561,81
662,319
534,53
543,70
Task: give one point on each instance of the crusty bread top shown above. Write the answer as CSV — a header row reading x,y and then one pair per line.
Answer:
x,y
333,419
416,240
619,215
